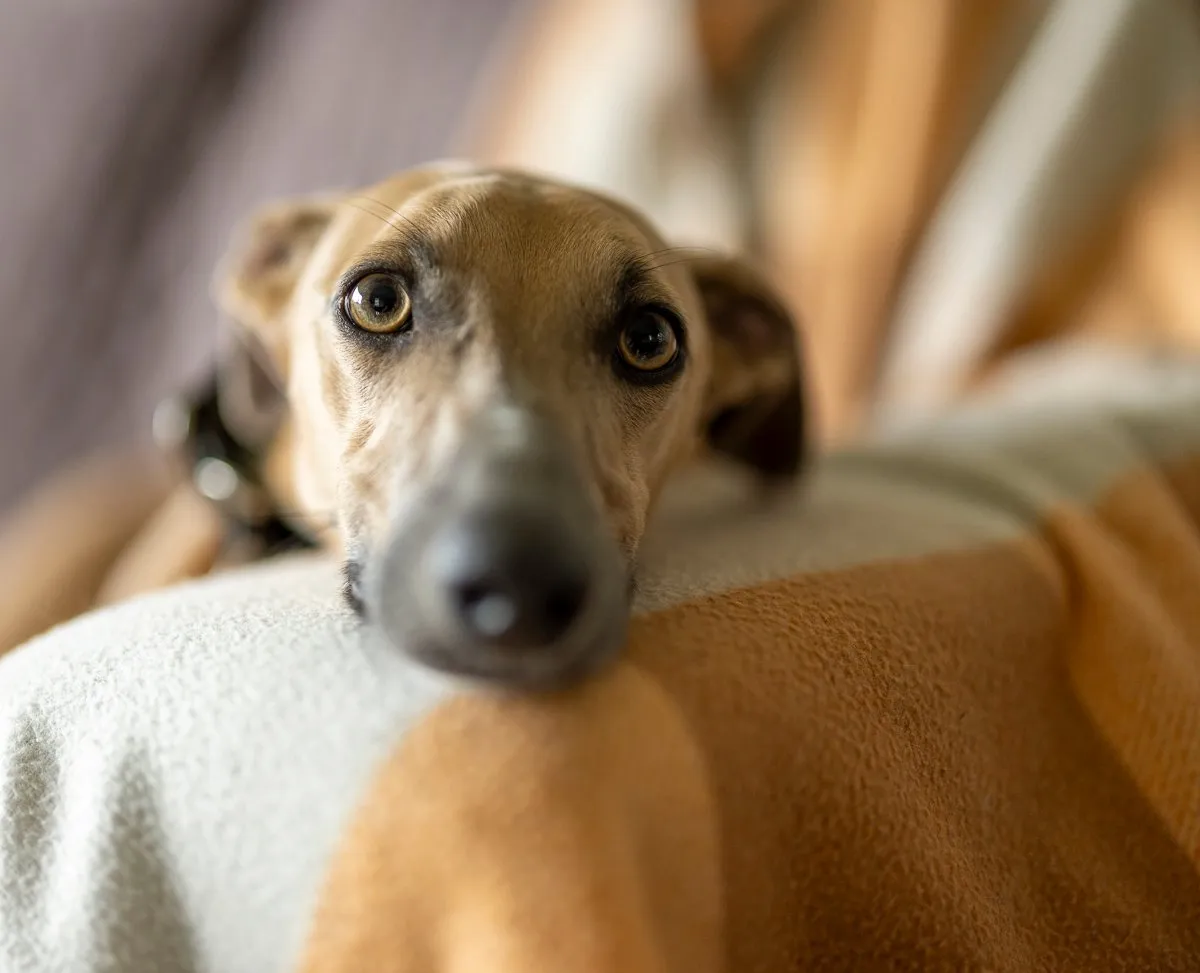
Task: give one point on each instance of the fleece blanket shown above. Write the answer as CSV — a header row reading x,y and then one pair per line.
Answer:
x,y
939,709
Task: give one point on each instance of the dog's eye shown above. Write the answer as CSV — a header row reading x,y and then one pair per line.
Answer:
x,y
648,343
379,303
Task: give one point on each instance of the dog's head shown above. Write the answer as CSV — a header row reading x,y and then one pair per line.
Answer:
x,y
489,375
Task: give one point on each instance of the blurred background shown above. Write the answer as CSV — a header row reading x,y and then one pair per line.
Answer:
x,y
946,190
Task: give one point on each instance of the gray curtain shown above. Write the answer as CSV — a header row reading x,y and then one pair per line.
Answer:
x,y
135,133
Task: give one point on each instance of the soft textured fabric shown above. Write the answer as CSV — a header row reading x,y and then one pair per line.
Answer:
x,y
1090,99
939,709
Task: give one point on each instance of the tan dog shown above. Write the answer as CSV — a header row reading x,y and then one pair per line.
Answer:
x,y
489,377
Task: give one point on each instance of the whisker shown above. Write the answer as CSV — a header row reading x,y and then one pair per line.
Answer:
x,y
663,265
373,211
390,210
370,211
679,249
684,254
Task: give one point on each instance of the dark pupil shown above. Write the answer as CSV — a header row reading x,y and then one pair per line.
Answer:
x,y
648,339
382,298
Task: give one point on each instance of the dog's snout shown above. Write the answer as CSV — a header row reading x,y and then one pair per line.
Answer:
x,y
507,570
512,579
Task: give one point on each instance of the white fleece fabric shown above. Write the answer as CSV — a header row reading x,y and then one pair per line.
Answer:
x,y
175,772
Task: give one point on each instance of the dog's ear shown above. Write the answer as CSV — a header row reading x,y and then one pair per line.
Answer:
x,y
258,275
254,284
755,409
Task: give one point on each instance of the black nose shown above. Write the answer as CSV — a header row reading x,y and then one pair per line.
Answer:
x,y
514,579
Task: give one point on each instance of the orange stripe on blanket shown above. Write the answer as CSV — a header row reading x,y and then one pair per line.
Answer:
x,y
1134,647
573,834
907,779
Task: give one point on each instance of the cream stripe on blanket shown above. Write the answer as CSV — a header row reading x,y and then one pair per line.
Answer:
x,y
942,712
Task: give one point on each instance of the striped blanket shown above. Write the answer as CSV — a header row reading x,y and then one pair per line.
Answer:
x,y
939,709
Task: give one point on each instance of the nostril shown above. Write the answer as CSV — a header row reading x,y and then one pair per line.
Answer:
x,y
524,612
511,579
563,604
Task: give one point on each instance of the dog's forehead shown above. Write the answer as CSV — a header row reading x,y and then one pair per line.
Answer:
x,y
490,221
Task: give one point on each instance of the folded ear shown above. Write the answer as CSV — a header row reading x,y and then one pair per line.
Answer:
x,y
254,283
755,411
258,274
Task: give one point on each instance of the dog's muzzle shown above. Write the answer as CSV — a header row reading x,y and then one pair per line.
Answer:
x,y
506,570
